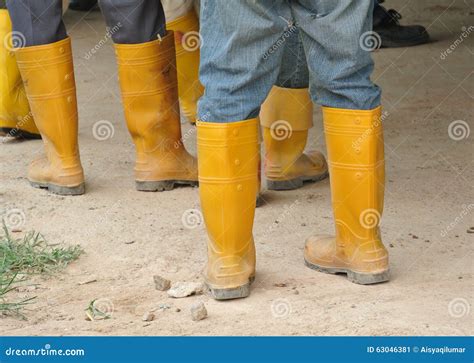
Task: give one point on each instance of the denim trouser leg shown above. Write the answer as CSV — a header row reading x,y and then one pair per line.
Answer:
x,y
243,44
240,58
293,69
39,21
339,67
135,21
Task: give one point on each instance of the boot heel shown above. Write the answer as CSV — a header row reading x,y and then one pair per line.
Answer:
x,y
229,294
368,279
284,184
352,276
61,190
160,186
154,186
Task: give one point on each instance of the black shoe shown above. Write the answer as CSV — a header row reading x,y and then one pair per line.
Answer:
x,y
82,5
392,34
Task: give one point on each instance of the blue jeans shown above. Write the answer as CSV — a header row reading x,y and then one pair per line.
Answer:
x,y
244,42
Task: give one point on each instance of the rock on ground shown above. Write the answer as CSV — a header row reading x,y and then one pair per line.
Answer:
x,y
198,311
182,289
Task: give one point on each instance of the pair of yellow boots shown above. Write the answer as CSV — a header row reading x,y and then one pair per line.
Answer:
x,y
228,182
149,84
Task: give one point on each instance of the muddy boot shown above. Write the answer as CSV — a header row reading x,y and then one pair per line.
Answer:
x,y
286,116
48,75
356,165
187,38
149,87
16,120
228,156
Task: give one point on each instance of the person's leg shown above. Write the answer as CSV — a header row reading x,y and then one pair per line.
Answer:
x,y
16,120
181,17
286,116
44,56
37,22
147,70
240,55
340,72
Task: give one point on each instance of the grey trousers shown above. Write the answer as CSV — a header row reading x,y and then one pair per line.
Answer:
x,y
135,21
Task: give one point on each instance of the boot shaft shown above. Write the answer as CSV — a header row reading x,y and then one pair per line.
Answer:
x,y
228,157
149,87
48,76
355,147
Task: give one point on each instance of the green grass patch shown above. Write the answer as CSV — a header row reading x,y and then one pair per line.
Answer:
x,y
21,258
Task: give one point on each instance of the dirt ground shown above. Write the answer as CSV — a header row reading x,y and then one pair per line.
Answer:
x,y
129,236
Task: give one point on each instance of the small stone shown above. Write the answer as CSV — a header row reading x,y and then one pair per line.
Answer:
x,y
161,283
198,311
470,230
414,236
129,242
391,245
148,316
280,284
182,289
296,292
177,310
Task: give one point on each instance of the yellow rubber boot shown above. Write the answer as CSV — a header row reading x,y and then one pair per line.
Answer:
x,y
48,75
356,164
286,116
228,157
16,119
149,87
187,38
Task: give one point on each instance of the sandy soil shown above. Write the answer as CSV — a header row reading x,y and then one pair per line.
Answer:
x,y
429,185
